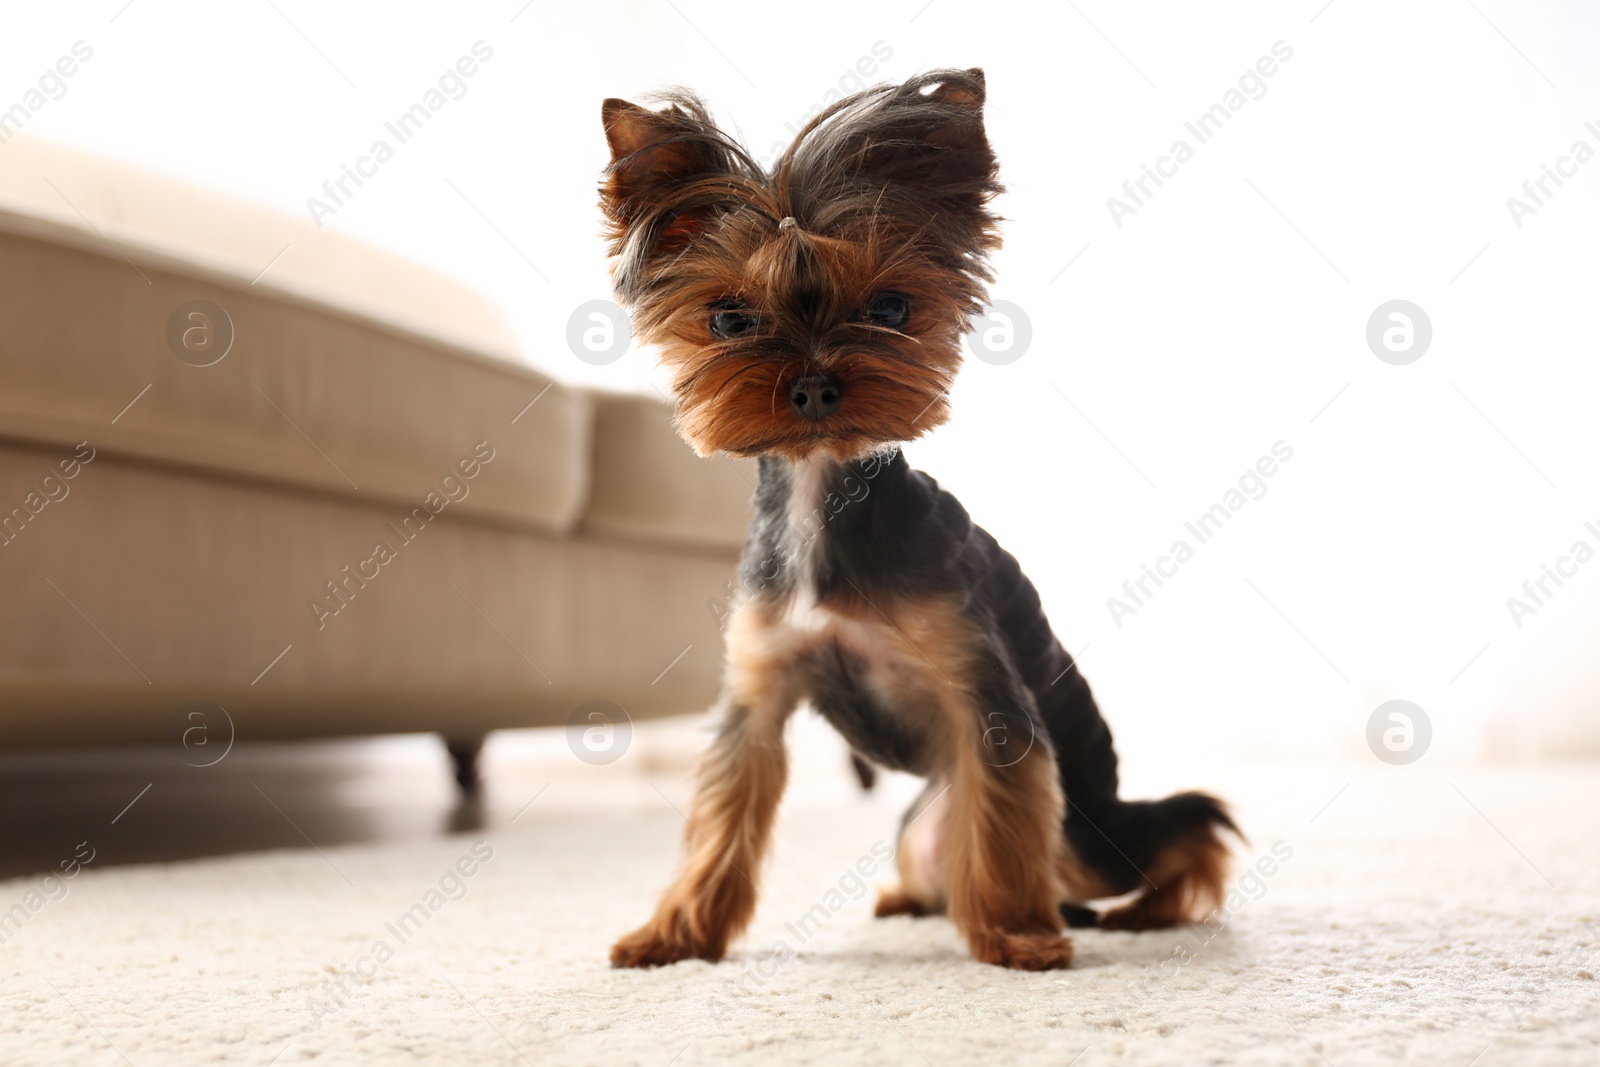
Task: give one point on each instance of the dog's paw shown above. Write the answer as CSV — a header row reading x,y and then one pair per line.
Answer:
x,y
649,946
898,902
1021,952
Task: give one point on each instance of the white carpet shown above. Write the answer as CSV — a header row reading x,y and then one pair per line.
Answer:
x,y
1404,929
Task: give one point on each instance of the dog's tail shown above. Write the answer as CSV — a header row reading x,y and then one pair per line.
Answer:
x,y
1173,850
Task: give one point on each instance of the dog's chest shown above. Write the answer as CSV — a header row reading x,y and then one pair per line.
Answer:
x,y
854,633
807,632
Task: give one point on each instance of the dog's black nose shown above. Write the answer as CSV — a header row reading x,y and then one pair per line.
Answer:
x,y
815,396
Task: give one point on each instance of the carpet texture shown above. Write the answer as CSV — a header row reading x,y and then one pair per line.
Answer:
x,y
1409,916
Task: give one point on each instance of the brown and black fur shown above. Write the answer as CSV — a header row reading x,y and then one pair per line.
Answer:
x,y
872,595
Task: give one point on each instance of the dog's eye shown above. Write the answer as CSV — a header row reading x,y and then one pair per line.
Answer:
x,y
729,319
890,309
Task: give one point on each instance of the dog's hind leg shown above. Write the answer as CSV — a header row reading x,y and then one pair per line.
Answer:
x,y
919,856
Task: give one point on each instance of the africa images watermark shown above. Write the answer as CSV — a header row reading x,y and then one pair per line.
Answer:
x,y
450,886
855,78
1537,190
1250,888
806,528
343,590
52,887
451,85
1202,128
51,85
1203,528
1536,591
851,885
53,489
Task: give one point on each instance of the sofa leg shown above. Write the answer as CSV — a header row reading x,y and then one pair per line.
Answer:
x,y
464,753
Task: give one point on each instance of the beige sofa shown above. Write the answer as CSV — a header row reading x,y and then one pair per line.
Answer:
x,y
210,507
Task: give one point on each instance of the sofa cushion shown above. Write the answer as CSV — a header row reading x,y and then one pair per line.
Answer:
x,y
349,371
134,588
646,483
168,217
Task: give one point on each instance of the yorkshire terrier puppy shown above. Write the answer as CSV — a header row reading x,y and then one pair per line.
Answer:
x,y
813,316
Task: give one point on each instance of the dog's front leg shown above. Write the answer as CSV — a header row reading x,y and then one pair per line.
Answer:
x,y
740,782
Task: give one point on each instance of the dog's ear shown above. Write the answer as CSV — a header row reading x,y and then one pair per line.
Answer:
x,y
656,156
629,127
925,137
643,146
930,132
962,135
968,89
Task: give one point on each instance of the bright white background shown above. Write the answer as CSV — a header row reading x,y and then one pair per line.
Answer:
x,y
1227,314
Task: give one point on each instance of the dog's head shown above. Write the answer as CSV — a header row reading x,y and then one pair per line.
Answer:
x,y
818,307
